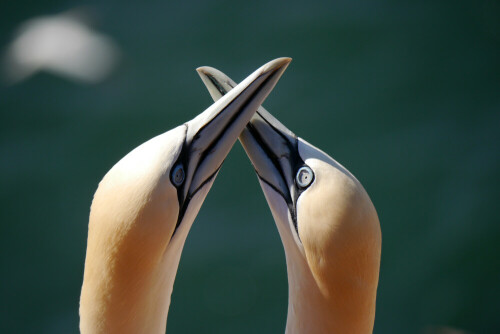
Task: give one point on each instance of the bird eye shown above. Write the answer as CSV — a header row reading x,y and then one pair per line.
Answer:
x,y
178,175
304,176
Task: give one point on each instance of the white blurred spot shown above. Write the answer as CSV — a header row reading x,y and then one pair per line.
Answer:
x,y
63,45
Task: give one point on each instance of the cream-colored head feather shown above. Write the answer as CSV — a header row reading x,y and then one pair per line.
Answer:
x,y
327,223
145,205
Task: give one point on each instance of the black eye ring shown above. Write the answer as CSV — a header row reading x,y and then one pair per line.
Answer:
x,y
178,175
304,176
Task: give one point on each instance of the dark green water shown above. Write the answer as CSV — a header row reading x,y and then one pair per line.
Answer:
x,y
405,94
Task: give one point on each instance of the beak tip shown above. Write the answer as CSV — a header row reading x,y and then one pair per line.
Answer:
x,y
287,60
207,71
276,64
203,69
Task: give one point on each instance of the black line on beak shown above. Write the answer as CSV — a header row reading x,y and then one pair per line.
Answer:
x,y
186,150
295,162
218,85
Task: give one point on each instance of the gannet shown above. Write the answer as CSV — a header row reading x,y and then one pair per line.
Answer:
x,y
327,223
145,205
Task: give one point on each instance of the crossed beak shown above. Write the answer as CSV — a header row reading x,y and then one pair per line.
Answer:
x,y
211,134
271,147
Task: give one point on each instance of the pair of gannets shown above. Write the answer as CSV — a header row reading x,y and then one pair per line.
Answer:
x,y
145,205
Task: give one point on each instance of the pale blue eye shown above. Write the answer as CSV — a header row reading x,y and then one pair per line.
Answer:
x,y
178,175
304,176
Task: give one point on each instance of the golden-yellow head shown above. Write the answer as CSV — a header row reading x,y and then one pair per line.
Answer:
x,y
145,205
327,223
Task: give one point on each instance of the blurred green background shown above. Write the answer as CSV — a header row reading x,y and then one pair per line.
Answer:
x,y
405,94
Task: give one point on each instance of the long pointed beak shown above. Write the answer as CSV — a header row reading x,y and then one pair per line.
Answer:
x,y
211,134
271,147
